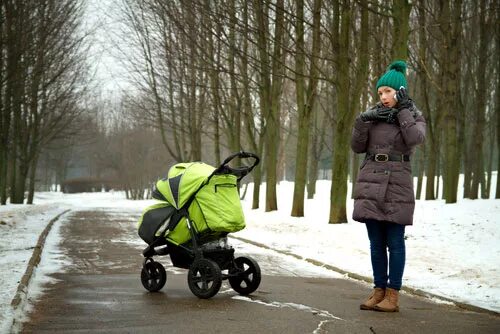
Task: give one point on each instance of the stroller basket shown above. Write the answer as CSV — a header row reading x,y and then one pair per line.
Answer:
x,y
182,257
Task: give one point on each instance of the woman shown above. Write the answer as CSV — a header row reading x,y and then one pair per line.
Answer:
x,y
383,194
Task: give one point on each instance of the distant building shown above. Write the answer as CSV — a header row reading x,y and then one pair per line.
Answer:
x,y
88,184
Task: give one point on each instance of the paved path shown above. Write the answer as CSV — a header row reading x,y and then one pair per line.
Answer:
x,y
101,292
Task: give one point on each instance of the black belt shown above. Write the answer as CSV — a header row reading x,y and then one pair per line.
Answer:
x,y
382,157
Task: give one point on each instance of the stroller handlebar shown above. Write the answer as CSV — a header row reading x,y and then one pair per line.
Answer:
x,y
240,171
242,155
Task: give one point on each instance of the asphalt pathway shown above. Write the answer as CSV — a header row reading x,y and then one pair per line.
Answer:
x,y
99,291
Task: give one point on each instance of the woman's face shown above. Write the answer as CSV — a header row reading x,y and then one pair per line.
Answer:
x,y
386,95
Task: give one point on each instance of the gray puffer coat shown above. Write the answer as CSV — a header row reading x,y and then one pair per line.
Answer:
x,y
384,190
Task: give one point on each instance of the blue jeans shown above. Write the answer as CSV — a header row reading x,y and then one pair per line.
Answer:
x,y
383,236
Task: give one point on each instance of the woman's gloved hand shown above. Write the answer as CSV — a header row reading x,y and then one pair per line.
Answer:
x,y
404,100
381,114
387,114
369,115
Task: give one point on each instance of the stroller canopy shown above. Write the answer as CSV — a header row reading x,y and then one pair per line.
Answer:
x,y
183,180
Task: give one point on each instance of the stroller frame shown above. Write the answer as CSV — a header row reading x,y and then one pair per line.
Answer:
x,y
204,263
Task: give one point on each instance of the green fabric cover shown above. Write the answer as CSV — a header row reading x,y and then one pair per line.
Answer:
x,y
216,209
191,177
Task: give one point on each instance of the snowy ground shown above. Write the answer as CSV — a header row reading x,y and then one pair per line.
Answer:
x,y
452,250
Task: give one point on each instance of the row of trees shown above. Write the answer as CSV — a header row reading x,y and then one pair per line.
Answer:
x,y
42,82
110,151
250,74
282,78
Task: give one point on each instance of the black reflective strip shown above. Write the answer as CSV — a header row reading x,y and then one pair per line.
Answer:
x,y
156,194
152,220
174,187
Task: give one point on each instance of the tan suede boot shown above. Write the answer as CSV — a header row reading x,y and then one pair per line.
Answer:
x,y
390,302
376,297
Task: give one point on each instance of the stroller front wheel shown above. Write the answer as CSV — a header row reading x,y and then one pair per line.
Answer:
x,y
245,276
153,276
204,278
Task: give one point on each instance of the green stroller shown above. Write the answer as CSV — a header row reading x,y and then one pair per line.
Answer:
x,y
199,206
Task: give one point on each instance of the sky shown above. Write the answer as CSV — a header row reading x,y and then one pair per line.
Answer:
x,y
452,249
102,20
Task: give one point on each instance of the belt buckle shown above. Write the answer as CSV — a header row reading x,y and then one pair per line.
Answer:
x,y
381,157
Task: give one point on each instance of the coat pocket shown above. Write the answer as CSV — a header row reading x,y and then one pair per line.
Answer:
x,y
401,188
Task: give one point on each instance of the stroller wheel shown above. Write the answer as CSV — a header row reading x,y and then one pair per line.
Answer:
x,y
246,277
153,276
204,278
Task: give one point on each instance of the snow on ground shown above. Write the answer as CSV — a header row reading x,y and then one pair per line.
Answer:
x,y
20,227
453,250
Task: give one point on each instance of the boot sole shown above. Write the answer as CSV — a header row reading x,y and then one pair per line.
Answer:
x,y
365,308
385,310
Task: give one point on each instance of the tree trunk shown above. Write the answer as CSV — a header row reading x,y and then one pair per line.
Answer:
x,y
420,155
451,30
401,18
270,92
214,54
14,90
315,155
438,177
4,117
303,116
431,170
338,191
234,100
348,96
306,98
32,180
254,134
478,129
497,109
489,164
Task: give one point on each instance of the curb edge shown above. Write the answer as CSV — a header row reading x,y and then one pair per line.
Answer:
x,y
22,287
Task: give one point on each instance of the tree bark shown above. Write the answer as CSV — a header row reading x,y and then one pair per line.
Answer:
x,y
317,144
348,96
478,128
450,62
497,104
306,99
401,17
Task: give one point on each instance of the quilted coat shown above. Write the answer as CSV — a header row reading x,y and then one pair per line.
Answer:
x,y
384,190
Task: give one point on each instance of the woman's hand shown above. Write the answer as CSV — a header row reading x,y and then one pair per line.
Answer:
x,y
381,114
386,114
403,99
369,115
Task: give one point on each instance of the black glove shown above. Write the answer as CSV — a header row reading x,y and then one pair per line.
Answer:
x,y
404,101
380,113
369,115
386,114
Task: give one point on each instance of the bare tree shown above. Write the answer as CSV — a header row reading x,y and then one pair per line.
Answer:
x,y
43,84
306,89
348,96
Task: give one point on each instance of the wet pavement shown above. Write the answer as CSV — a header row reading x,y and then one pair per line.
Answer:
x,y
100,292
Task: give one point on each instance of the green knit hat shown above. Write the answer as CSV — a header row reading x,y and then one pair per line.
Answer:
x,y
395,76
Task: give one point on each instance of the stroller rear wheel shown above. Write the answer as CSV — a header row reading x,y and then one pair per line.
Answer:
x,y
204,278
246,275
153,276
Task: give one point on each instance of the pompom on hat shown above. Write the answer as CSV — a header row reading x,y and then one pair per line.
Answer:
x,y
394,77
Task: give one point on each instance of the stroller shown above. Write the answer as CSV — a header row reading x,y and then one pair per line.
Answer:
x,y
200,206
